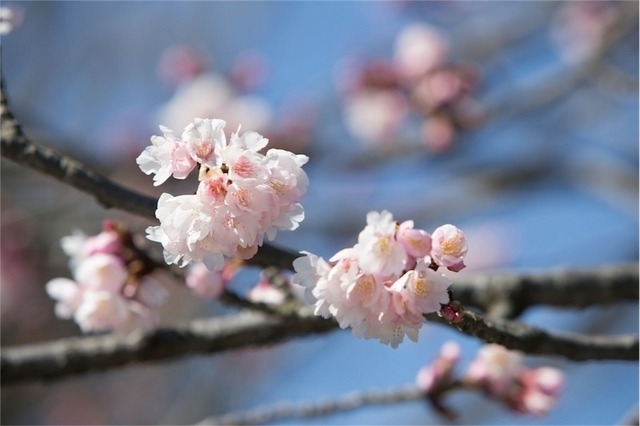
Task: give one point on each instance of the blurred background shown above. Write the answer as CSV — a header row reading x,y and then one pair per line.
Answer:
x,y
516,121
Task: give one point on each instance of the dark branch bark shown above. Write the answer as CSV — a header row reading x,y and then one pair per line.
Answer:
x,y
513,293
85,354
535,341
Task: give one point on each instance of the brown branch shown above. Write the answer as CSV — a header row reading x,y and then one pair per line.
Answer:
x,y
97,353
283,410
535,341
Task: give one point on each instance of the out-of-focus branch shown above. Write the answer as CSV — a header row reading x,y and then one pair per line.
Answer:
x,y
527,99
17,147
283,410
72,356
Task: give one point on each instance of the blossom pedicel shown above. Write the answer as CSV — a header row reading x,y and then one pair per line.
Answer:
x,y
382,286
242,196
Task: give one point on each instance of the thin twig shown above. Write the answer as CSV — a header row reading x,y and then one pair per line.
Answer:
x,y
283,410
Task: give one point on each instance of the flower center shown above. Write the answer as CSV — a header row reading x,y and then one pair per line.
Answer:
x,y
364,287
421,287
452,245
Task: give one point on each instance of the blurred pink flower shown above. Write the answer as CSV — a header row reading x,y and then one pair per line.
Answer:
x,y
419,48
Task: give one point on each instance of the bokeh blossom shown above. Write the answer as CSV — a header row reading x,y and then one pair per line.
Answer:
x,y
243,195
111,290
501,374
382,286
496,371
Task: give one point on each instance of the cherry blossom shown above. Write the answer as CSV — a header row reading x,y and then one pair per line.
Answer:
x,y
242,196
496,371
419,48
381,287
541,388
495,367
431,376
106,292
207,283
501,373
449,247
166,156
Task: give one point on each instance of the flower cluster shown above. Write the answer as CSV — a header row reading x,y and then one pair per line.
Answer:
x,y
242,196
111,289
499,373
418,84
382,286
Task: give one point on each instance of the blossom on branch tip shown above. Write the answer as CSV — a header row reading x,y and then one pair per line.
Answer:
x,y
242,195
381,287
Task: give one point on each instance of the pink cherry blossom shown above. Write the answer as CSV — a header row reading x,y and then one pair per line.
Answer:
x,y
540,390
166,156
203,139
379,252
204,282
449,247
495,368
419,49
67,294
242,196
422,289
441,369
102,271
101,311
371,287
103,295
416,242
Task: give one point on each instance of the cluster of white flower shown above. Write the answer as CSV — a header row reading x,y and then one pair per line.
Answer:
x,y
500,373
106,294
383,286
243,195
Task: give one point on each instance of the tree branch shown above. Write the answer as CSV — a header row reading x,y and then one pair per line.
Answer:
x,y
284,410
72,356
535,341
513,293
97,353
